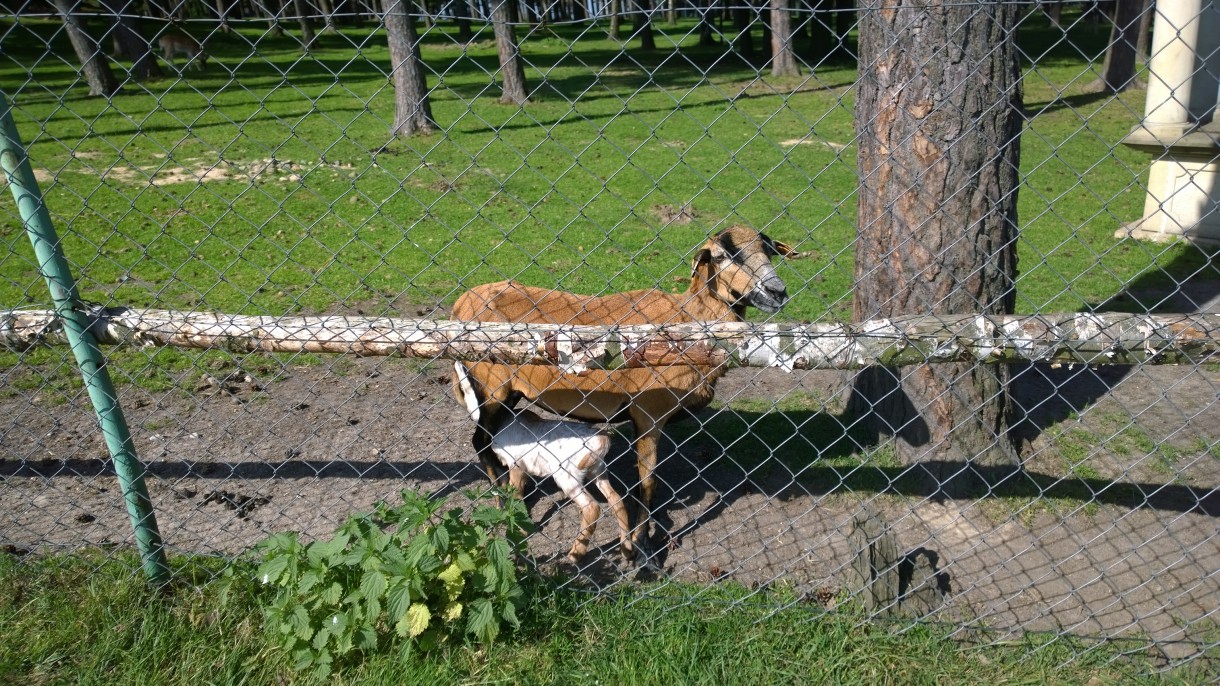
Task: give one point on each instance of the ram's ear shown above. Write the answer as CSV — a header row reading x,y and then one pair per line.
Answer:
x,y
780,249
703,257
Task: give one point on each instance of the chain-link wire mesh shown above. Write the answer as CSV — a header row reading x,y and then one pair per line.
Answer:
x,y
273,158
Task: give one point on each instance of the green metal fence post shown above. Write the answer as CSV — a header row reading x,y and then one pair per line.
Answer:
x,y
89,356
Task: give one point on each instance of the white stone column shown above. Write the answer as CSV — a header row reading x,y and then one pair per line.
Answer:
x,y
1181,99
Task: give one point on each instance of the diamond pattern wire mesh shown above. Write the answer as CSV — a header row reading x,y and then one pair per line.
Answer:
x,y
268,182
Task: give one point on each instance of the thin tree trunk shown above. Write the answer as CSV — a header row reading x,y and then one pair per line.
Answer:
x,y
412,108
1141,43
328,16
671,13
1118,68
94,67
938,123
845,19
512,73
783,58
306,24
130,42
616,10
707,32
822,36
272,9
1053,11
643,25
743,22
222,14
461,14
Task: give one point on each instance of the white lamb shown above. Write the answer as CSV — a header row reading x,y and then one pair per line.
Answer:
x,y
571,453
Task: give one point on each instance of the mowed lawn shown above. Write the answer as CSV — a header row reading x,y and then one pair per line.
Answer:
x,y
269,184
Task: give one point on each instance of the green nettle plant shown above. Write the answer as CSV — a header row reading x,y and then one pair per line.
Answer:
x,y
400,575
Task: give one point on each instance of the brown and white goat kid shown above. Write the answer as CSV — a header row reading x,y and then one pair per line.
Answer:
x,y
730,272
571,453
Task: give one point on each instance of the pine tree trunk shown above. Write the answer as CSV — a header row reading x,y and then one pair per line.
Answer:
x,y
272,9
616,11
845,19
1118,69
783,59
1053,11
938,123
642,28
94,67
328,16
306,24
1145,30
131,43
222,14
743,21
412,108
461,14
707,32
512,73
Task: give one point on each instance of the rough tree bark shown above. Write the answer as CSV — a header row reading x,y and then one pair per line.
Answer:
x,y
938,123
412,108
783,57
1118,69
512,73
131,43
94,67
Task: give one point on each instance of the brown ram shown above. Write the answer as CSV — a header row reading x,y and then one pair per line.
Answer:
x,y
731,271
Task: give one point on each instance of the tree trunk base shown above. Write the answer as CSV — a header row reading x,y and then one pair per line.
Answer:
x,y
886,582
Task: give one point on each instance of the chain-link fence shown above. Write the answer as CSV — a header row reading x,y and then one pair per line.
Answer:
x,y
311,158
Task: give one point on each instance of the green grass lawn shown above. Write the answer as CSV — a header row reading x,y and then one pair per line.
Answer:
x,y
89,619
568,191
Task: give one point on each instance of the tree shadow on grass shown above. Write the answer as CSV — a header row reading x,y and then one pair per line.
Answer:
x,y
1045,395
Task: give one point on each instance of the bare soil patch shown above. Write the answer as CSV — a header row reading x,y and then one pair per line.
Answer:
x,y
237,453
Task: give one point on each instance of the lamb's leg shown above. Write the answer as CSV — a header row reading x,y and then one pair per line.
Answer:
x,y
620,514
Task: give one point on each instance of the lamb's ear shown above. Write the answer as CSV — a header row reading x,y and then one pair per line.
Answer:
x,y
777,248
